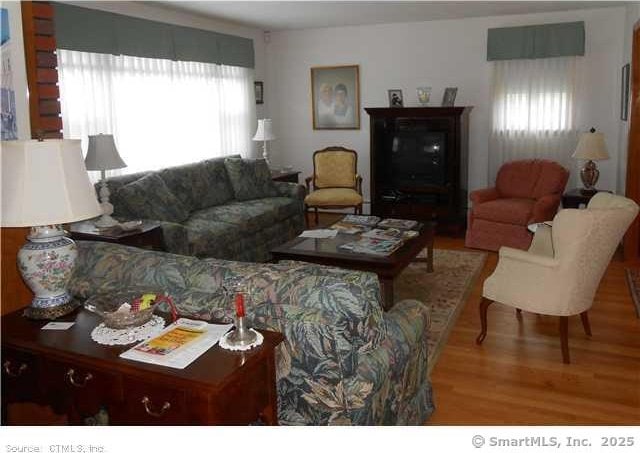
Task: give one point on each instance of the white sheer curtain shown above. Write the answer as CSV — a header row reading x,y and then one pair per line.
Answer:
x,y
534,109
161,112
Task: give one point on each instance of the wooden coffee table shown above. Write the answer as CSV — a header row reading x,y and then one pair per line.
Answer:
x,y
76,376
327,252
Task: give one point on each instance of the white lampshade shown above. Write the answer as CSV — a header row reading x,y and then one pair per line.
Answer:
x,y
591,146
45,183
264,131
102,153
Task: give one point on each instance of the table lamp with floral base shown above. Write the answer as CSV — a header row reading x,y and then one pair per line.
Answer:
x,y
44,185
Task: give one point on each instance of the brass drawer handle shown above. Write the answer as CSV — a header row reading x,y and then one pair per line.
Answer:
x,y
146,402
70,375
7,369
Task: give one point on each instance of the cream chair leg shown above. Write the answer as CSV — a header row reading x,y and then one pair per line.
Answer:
x,y
484,304
316,216
519,314
584,316
564,338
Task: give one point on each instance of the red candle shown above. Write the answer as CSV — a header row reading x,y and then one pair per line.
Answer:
x,y
239,305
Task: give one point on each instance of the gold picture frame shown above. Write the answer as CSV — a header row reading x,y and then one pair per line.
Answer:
x,y
335,97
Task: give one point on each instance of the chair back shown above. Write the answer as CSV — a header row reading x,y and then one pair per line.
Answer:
x,y
533,178
584,241
335,167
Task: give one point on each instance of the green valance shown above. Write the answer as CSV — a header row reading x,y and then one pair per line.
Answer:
x,y
536,41
90,30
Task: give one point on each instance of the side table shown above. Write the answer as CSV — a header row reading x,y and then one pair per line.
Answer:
x,y
76,376
148,236
285,176
576,197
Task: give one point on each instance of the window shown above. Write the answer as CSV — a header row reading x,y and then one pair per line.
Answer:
x,y
534,103
161,112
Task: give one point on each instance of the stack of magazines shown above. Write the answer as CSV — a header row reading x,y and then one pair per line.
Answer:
x,y
373,246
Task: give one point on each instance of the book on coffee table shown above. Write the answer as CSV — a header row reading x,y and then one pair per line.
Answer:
x,y
390,233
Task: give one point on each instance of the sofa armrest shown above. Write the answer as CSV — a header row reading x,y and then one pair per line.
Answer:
x,y
175,238
483,195
545,208
290,190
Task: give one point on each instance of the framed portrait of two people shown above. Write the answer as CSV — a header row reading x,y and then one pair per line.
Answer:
x,y
335,97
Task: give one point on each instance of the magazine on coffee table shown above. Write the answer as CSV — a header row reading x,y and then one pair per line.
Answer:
x,y
349,228
390,233
367,220
400,224
373,246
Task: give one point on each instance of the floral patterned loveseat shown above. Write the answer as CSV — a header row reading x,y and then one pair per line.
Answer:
x,y
344,360
225,208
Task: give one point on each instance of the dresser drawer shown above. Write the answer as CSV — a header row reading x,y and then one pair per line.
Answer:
x,y
85,387
19,375
150,404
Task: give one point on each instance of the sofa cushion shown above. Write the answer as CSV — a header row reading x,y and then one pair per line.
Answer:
x,y
250,179
333,197
190,184
221,190
210,238
249,216
516,211
150,198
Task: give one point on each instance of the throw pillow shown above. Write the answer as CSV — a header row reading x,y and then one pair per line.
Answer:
x,y
250,179
150,198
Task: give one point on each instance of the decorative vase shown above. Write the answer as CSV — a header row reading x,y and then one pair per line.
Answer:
x,y
46,262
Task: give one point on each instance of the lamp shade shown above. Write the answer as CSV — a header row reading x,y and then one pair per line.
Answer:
x,y
591,146
264,131
102,153
45,183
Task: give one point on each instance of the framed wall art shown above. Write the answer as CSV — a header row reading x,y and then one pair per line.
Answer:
x,y
259,89
335,97
14,106
624,95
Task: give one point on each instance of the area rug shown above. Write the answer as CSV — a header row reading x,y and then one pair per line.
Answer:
x,y
633,280
444,291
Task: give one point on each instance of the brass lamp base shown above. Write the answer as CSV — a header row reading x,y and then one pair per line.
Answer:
x,y
589,175
50,312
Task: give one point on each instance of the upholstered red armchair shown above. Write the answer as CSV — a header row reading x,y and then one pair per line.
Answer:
x,y
526,191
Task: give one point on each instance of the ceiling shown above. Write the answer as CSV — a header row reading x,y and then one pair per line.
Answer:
x,y
274,15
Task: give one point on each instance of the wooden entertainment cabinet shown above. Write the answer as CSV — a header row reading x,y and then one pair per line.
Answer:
x,y
419,164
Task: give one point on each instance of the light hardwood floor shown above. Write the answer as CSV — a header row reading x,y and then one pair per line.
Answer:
x,y
517,376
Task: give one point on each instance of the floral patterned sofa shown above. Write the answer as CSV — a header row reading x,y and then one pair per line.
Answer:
x,y
224,208
344,360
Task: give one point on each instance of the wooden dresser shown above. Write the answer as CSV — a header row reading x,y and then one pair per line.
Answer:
x,y
76,376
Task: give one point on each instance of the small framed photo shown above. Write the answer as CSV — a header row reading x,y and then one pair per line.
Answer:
x,y
449,98
259,89
624,96
424,95
395,98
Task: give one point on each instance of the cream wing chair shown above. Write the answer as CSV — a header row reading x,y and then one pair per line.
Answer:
x,y
561,271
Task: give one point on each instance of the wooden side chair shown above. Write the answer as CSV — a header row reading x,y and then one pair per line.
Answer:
x,y
336,183
561,271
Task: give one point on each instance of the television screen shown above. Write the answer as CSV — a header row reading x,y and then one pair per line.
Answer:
x,y
418,159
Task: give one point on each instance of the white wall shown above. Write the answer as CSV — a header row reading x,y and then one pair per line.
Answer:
x,y
632,16
436,54
145,10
